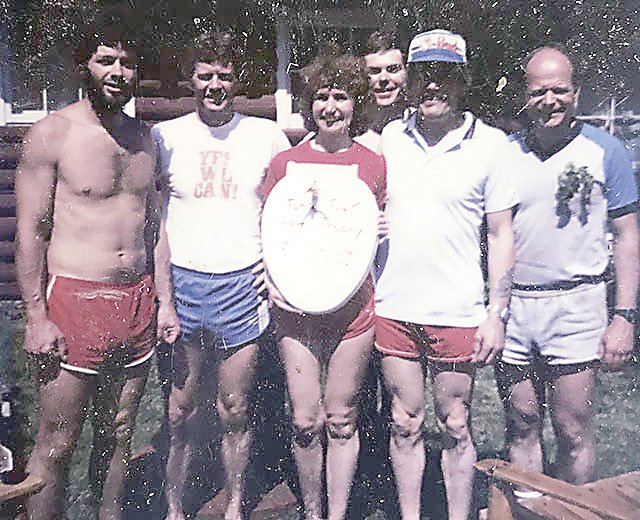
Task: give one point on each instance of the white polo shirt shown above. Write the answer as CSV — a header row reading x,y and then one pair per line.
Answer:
x,y
436,200
215,176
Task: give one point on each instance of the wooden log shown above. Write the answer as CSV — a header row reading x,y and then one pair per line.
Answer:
x,y
13,134
28,486
7,176
7,200
614,507
9,154
9,291
7,228
163,108
159,109
7,249
7,272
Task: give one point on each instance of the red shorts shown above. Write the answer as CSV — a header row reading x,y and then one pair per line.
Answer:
x,y
354,318
410,340
105,326
366,317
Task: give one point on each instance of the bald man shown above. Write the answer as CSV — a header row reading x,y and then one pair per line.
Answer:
x,y
571,178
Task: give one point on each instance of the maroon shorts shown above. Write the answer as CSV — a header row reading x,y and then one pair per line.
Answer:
x,y
105,326
410,340
354,318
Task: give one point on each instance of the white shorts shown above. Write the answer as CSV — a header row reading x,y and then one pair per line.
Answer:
x,y
563,327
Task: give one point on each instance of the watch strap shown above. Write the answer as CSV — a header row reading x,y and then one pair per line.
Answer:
x,y
502,312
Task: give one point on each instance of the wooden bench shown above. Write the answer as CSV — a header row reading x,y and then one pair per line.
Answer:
x,y
29,486
615,498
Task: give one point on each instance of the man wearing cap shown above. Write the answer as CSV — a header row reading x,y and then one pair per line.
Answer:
x,y
430,296
571,178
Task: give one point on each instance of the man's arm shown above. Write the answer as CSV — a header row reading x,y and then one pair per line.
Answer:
x,y
489,339
617,342
168,324
35,189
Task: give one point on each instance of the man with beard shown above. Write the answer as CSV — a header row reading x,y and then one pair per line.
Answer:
x,y
212,163
571,178
442,182
88,212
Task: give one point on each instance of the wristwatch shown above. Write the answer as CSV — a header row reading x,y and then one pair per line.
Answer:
x,y
631,315
502,312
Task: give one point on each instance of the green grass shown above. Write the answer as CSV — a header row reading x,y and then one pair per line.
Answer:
x,y
616,422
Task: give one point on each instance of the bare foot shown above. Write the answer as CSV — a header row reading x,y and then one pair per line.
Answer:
x,y
175,515
234,511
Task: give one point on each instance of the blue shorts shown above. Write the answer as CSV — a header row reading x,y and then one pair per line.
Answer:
x,y
219,310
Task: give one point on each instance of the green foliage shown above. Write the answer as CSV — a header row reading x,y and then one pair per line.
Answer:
x,y
604,35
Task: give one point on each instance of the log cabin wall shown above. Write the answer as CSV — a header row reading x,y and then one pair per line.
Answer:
x,y
149,109
10,138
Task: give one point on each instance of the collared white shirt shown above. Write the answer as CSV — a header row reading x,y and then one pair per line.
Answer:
x,y
437,197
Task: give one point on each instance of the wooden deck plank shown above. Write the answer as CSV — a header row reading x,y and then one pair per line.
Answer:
x,y
608,506
554,509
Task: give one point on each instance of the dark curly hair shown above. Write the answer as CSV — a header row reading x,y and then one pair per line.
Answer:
x,y
112,26
341,71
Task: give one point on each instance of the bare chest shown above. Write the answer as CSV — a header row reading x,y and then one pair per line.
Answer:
x,y
94,164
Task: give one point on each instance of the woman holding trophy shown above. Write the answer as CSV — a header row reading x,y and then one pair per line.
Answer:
x,y
320,228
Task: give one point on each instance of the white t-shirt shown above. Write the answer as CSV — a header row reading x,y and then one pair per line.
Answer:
x,y
437,197
214,176
560,241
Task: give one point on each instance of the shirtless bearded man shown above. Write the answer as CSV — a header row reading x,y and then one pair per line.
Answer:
x,y
87,214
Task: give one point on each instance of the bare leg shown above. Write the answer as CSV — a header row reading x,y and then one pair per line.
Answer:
x,y
452,397
570,398
235,380
64,401
119,399
184,408
303,381
104,437
523,418
404,378
347,367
